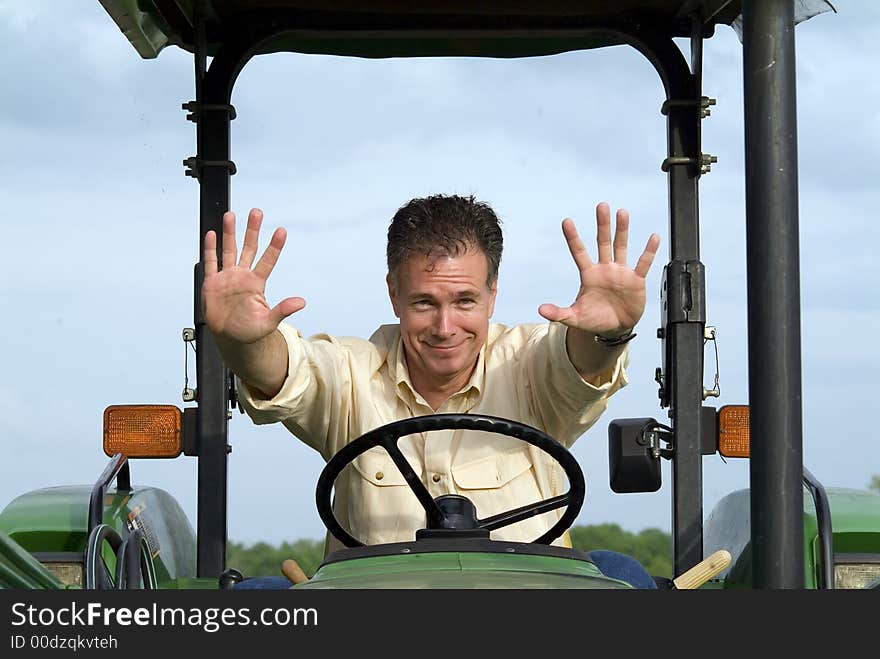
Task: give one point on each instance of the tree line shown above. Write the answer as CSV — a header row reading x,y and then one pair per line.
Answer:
x,y
652,547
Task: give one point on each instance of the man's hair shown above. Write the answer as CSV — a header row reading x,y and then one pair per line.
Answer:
x,y
449,224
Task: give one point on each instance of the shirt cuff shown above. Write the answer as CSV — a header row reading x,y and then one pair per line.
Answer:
x,y
610,380
278,408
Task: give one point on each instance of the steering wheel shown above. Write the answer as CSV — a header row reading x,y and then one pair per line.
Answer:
x,y
387,437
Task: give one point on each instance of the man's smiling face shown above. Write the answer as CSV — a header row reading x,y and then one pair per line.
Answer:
x,y
444,305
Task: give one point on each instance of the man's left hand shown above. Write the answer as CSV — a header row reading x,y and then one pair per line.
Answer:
x,y
611,297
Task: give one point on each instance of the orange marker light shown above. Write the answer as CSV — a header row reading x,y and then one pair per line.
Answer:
x,y
142,431
733,431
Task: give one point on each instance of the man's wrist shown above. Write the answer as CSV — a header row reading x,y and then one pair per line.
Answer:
x,y
616,339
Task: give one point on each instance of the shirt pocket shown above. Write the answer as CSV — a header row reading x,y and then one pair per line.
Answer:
x,y
376,466
490,472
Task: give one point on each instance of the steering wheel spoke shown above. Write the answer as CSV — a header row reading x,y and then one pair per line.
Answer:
x,y
432,510
524,512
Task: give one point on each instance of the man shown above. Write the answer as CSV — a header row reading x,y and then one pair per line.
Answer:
x,y
443,356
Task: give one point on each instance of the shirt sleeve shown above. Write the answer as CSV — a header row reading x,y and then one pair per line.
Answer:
x,y
315,399
565,403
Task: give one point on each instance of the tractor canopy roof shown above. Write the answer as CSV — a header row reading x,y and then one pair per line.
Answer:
x,y
400,28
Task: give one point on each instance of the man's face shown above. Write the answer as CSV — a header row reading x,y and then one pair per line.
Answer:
x,y
444,306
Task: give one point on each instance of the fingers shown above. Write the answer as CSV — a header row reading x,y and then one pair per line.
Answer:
x,y
621,236
210,257
287,307
251,238
249,249
647,257
603,232
553,313
229,248
270,256
575,246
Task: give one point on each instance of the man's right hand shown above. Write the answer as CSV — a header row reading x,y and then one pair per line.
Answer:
x,y
236,311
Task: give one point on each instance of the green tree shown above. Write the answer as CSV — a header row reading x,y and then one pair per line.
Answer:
x,y
875,483
651,547
262,559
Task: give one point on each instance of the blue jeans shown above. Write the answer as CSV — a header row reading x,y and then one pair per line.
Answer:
x,y
610,563
263,583
620,566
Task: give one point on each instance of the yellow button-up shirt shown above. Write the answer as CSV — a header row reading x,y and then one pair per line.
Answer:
x,y
337,389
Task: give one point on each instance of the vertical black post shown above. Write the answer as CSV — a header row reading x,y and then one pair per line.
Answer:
x,y
212,139
684,322
683,297
776,469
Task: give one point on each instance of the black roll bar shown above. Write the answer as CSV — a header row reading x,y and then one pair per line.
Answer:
x,y
825,530
117,468
776,465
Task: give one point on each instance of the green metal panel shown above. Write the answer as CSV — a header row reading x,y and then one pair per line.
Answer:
x,y
855,518
20,570
55,519
50,519
853,511
460,570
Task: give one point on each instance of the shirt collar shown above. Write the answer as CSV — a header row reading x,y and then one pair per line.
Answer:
x,y
397,363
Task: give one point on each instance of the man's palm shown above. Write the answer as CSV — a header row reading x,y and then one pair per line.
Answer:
x,y
611,297
236,309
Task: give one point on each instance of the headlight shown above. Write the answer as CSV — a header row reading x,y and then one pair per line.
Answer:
x,y
70,574
856,575
66,566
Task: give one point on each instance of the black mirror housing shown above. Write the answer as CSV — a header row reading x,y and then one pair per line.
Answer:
x,y
632,465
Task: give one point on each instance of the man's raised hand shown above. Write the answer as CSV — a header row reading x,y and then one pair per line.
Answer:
x,y
611,296
233,294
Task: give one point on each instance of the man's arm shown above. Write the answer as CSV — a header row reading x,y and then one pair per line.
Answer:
x,y
261,365
561,401
590,359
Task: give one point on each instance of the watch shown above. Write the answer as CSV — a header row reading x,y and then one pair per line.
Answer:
x,y
612,341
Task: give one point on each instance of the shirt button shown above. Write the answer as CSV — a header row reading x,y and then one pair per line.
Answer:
x,y
379,475
436,478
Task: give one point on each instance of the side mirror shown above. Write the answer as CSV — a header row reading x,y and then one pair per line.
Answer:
x,y
633,455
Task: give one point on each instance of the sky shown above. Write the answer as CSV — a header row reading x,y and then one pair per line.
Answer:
x,y
101,228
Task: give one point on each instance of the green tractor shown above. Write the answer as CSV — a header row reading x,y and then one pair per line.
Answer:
x,y
786,531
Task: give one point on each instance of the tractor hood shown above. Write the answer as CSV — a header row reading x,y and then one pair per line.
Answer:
x,y
429,564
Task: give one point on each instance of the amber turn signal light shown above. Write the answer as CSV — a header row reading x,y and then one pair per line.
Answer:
x,y
733,431
142,431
